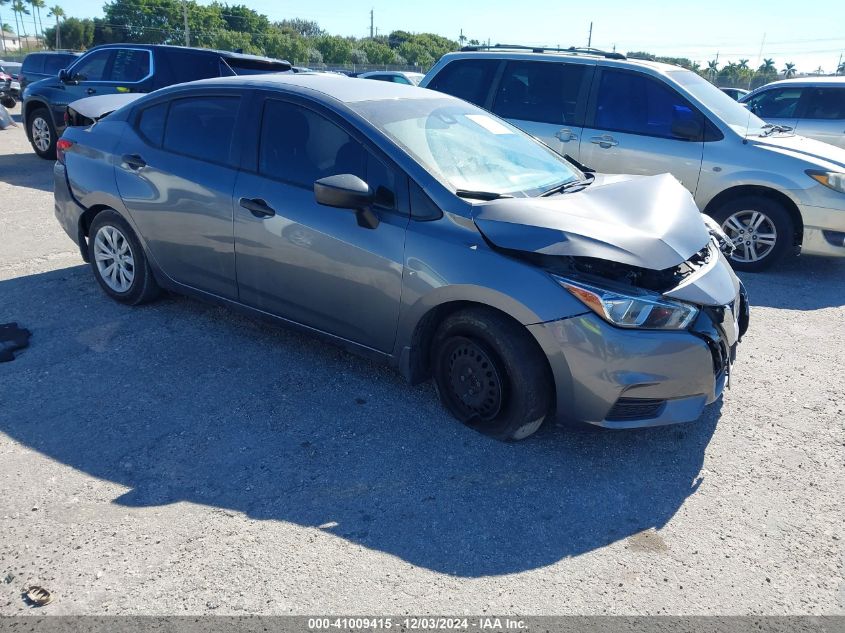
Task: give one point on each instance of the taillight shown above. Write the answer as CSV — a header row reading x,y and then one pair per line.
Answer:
x,y
62,146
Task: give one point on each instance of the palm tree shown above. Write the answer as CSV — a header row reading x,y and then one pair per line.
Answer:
x,y
767,67
58,13
712,68
840,70
37,5
743,64
789,70
4,28
820,71
19,8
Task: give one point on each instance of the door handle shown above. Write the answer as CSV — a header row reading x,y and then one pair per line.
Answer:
x,y
565,135
605,141
91,91
257,207
133,161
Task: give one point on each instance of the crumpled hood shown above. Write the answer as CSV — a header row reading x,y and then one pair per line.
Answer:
x,y
651,222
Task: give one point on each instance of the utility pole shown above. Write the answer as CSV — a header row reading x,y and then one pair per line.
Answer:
x,y
185,16
371,23
590,36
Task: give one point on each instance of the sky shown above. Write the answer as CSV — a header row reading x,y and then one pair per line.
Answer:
x,y
809,36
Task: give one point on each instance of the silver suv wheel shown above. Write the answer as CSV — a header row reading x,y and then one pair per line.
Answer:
x,y
753,233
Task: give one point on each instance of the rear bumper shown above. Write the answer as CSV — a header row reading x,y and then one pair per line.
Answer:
x,y
617,378
68,211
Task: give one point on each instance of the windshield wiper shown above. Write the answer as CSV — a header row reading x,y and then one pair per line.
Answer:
x,y
771,128
569,185
481,195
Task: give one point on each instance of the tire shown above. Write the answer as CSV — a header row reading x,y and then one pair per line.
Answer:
x,y
132,282
42,133
738,216
490,374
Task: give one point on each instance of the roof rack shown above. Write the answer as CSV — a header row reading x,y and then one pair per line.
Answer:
x,y
545,49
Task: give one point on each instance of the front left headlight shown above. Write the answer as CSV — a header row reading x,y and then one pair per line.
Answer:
x,y
646,311
831,179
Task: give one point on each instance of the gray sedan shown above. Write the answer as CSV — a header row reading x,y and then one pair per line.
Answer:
x,y
417,229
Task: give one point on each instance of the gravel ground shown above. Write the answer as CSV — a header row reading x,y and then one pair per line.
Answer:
x,y
176,458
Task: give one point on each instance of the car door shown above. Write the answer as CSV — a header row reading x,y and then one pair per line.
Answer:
x,y
175,172
635,124
306,262
88,75
777,105
822,113
546,99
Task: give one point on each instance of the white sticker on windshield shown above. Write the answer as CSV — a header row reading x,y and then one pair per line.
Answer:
x,y
488,123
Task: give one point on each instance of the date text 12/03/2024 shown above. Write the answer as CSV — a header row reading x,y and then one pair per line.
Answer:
x,y
417,623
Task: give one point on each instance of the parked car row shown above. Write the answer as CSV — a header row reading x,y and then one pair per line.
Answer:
x,y
771,190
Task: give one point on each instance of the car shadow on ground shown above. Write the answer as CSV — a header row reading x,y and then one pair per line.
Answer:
x,y
799,283
25,170
181,401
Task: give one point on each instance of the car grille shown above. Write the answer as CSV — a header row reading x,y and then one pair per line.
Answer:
x,y
635,409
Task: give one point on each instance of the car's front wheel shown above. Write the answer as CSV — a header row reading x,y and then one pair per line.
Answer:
x,y
118,260
42,134
490,374
761,230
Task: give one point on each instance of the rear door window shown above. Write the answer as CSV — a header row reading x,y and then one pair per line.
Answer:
x,y
777,103
202,127
634,103
545,92
130,65
190,66
151,123
824,103
33,64
467,79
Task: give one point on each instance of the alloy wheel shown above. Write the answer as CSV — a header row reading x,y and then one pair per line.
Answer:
x,y
753,233
113,256
41,134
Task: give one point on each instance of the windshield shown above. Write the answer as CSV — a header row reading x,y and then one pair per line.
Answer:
x,y
466,148
741,120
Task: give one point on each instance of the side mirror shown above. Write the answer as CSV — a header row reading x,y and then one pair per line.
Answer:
x,y
687,129
346,191
63,75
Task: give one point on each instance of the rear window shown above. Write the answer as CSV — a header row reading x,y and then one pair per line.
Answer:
x,y
202,127
467,79
825,103
246,66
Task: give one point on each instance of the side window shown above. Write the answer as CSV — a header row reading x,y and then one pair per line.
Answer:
x,y
637,104
130,65
399,79
190,66
383,182
201,127
151,123
546,92
33,64
775,103
824,103
54,63
92,67
300,146
467,79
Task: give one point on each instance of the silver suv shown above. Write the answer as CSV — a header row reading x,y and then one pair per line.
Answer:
x,y
772,191
813,106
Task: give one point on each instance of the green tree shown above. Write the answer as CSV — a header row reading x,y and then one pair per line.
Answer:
x,y
305,28
713,69
840,70
239,17
416,54
37,5
377,52
789,70
334,49
743,64
232,41
76,34
768,67
19,9
285,45
57,12
161,21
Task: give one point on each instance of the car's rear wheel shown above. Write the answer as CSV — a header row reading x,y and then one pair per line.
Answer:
x,y
118,260
42,134
490,374
761,230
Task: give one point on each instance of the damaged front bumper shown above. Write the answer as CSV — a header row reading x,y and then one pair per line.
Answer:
x,y
635,378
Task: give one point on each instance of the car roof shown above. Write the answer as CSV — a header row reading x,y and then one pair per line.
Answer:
x,y
562,55
226,54
338,87
806,81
